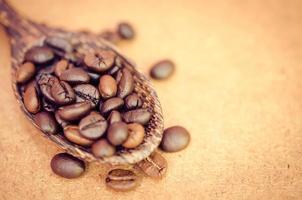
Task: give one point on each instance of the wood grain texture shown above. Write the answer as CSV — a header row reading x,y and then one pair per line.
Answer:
x,y
238,61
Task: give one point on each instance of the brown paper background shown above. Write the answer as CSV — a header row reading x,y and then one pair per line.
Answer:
x,y
237,89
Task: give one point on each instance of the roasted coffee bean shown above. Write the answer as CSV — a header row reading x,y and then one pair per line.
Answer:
x,y
75,76
175,139
31,98
141,116
59,43
93,126
133,101
67,166
45,82
114,116
60,121
117,133
102,148
125,31
39,55
75,111
46,122
107,86
25,72
72,133
87,92
62,93
48,106
136,133
162,69
111,104
101,61
121,180
154,166
61,66
125,84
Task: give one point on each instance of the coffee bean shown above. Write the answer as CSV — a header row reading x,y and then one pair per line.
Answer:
x,y
39,55
48,106
162,69
125,84
67,166
107,86
136,133
25,72
111,104
45,82
61,66
125,31
46,122
59,43
102,148
72,133
31,98
154,166
93,126
62,93
114,116
60,121
141,116
101,61
75,76
121,180
133,101
175,139
75,111
87,92
117,133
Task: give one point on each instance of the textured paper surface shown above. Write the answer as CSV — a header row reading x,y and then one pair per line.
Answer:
x,y
237,89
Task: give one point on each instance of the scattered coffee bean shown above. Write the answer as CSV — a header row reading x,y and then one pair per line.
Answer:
x,y
31,99
75,76
141,116
25,72
101,61
114,116
39,55
93,126
67,166
62,93
61,66
125,31
133,101
59,43
117,133
107,86
46,82
136,133
154,166
162,69
87,92
102,148
75,111
121,180
125,84
72,133
111,104
175,139
46,122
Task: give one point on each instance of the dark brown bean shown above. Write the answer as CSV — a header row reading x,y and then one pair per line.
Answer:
x,y
114,116
59,43
101,61
107,86
62,93
60,121
72,133
67,166
31,98
75,76
117,133
61,66
175,139
125,31
136,133
75,111
39,55
141,116
154,166
125,84
45,82
133,101
93,126
25,72
46,122
121,180
87,92
162,69
111,104
102,148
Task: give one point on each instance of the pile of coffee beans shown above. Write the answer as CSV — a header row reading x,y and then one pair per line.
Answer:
x,y
87,97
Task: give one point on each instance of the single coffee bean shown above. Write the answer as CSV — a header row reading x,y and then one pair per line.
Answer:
x,y
60,121
87,92
133,101
67,166
31,98
121,180
62,93
114,116
48,106
107,86
101,61
117,133
59,43
72,133
93,126
154,166
111,104
75,111
136,133
61,66
25,72
175,139
46,82
75,76
141,116
46,122
162,69
125,31
125,84
102,148
39,55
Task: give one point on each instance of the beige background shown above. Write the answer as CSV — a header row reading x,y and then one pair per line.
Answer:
x,y
238,89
